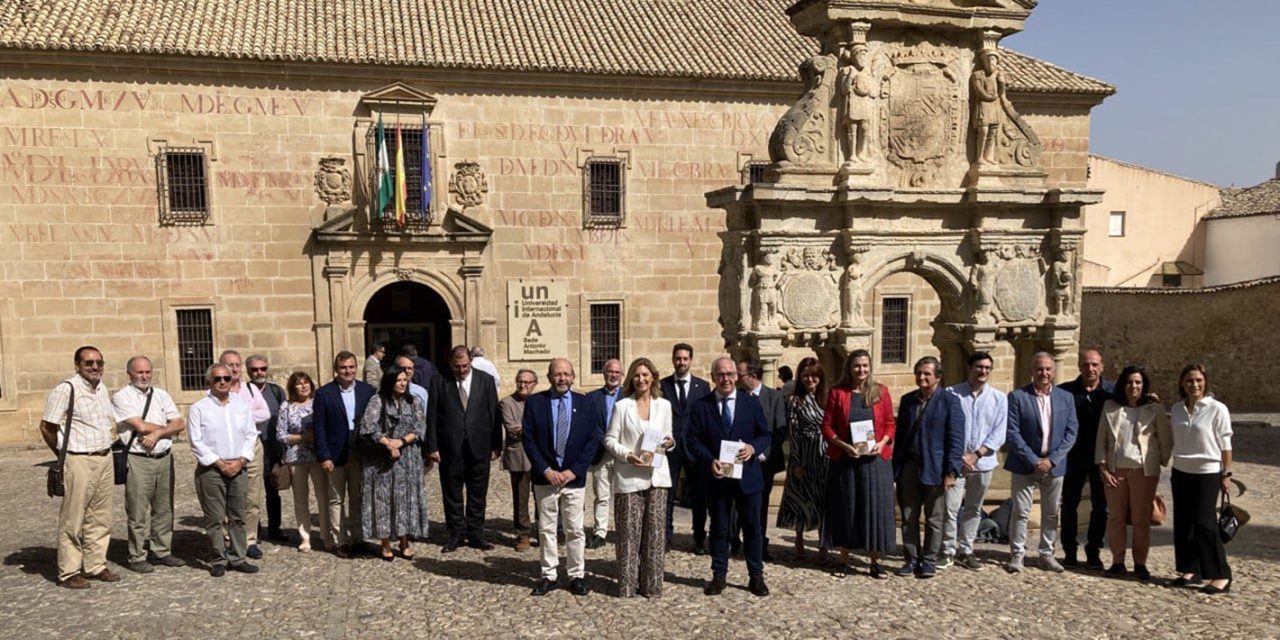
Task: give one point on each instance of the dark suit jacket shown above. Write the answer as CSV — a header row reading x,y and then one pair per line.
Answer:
x,y
1089,415
540,433
775,413
451,430
423,371
1025,431
706,432
600,409
680,414
938,439
330,419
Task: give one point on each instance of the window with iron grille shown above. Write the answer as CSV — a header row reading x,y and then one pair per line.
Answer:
x,y
755,171
604,192
416,215
893,331
182,186
195,346
606,334
1172,280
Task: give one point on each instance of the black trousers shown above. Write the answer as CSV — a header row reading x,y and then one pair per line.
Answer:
x,y
1072,492
748,506
1196,545
735,522
464,472
693,489
273,455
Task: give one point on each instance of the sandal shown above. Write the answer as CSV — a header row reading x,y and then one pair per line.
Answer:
x,y
406,552
876,572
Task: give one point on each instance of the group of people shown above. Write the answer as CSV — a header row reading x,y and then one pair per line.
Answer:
x,y
362,449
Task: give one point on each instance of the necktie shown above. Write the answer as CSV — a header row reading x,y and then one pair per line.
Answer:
x,y
462,395
726,420
562,428
680,392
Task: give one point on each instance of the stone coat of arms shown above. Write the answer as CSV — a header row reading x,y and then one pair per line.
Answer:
x,y
923,118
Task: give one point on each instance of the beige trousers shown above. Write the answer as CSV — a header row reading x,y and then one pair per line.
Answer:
x,y
561,505
257,493
84,521
303,475
346,483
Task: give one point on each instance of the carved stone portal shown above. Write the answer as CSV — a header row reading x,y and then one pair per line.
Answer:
x,y
333,180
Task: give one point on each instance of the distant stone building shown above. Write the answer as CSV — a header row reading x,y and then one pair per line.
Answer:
x,y
1242,236
179,184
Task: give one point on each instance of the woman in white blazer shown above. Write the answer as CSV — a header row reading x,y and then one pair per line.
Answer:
x,y
641,479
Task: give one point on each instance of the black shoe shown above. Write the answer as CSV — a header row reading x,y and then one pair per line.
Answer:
x,y
1070,560
1140,571
927,570
715,587
1213,591
218,570
245,567
1193,581
481,545
908,568
595,543
276,535
450,546
141,567
699,549
757,587
767,557
168,561
1116,570
254,552
1093,559
578,587
544,587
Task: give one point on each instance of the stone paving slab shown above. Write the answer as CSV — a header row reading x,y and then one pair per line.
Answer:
x,y
473,594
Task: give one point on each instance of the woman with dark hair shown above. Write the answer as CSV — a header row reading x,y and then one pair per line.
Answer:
x,y
801,508
1134,442
1201,471
294,430
859,493
394,505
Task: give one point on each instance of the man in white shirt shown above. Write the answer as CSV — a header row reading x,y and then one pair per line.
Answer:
x,y
478,361
986,416
147,420
261,411
84,520
223,437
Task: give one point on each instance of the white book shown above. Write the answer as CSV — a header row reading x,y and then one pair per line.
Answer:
x,y
862,432
729,457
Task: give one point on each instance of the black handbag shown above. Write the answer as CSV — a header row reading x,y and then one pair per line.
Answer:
x,y
1228,522
367,447
55,481
120,452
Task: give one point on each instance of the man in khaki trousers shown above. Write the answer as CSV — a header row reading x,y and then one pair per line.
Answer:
x,y
84,521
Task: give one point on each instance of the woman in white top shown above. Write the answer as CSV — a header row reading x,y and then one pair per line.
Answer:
x,y
641,479
1133,443
1201,471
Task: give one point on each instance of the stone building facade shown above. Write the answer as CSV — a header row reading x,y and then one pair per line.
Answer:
x,y
175,193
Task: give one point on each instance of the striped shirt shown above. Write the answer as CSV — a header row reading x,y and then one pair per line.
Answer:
x,y
92,423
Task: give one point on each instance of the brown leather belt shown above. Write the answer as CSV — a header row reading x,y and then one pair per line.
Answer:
x,y
90,453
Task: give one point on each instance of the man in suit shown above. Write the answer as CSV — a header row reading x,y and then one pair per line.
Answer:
x,y
683,388
560,436
773,461
337,409
927,460
1042,429
464,434
728,414
423,370
602,401
1090,391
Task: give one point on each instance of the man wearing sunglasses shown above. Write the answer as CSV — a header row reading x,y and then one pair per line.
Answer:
x,y
84,521
223,438
273,452
257,404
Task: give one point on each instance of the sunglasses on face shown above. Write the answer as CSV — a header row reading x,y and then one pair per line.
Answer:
x,y
221,378
92,363
254,369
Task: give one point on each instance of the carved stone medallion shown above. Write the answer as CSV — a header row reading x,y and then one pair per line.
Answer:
x,y
333,180
1019,290
808,299
468,184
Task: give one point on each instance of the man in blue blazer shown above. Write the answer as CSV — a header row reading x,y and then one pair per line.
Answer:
x,y
730,414
682,389
560,436
928,454
1042,429
603,400
337,409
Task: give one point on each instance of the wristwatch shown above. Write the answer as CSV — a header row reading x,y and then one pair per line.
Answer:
x,y
1226,474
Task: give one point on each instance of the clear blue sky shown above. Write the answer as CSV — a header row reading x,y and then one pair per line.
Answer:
x,y
1196,94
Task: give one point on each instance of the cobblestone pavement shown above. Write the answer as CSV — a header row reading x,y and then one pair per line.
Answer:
x,y
474,594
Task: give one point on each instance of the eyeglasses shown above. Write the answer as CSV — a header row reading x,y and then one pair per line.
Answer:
x,y
526,382
724,374
221,378
253,369
92,363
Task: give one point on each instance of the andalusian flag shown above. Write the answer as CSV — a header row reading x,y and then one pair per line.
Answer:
x,y
383,174
402,191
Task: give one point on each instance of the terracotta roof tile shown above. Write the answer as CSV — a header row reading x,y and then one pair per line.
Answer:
x,y
1263,199
731,39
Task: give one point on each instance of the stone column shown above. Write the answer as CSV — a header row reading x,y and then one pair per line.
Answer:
x,y
471,301
336,272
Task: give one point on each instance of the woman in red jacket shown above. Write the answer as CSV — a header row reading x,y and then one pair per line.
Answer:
x,y
858,427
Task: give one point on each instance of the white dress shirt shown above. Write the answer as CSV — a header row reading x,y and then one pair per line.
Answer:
x,y
1199,436
129,402
221,432
348,396
252,397
484,364
465,385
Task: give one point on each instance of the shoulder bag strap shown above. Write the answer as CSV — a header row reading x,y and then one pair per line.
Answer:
x,y
145,408
66,430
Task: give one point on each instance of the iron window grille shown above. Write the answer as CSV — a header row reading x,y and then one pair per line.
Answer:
x,y
195,347
606,334
604,192
416,217
182,186
755,171
893,331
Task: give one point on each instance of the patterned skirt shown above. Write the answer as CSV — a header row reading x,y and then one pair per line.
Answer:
x,y
802,498
859,513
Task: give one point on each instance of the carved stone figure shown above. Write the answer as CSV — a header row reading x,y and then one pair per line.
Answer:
x,y
764,290
333,180
802,135
729,292
983,280
857,102
1062,283
851,291
468,184
988,88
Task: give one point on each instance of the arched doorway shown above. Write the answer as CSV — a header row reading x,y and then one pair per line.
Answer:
x,y
409,313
